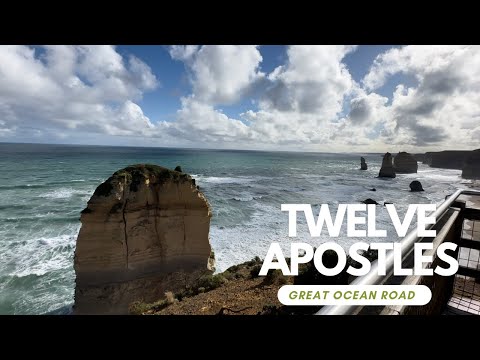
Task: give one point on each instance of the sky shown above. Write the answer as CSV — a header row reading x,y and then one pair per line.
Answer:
x,y
343,98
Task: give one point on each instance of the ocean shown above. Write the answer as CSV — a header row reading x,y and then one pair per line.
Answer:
x,y
43,188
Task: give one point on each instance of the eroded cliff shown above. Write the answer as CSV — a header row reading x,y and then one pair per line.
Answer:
x,y
471,167
144,231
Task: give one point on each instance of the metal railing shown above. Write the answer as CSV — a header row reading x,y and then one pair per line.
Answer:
x,y
408,242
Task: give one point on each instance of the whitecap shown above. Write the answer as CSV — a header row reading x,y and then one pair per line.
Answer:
x,y
246,197
45,254
62,193
225,180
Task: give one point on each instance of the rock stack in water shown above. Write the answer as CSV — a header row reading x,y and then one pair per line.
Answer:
x,y
363,164
144,231
387,169
471,167
405,163
416,185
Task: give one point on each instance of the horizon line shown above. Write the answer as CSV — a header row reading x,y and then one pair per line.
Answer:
x,y
216,149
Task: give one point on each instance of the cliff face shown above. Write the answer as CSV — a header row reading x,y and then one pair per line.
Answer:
x,y
144,231
471,167
387,169
405,163
448,159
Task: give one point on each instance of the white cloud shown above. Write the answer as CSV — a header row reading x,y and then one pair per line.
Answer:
x,y
303,98
310,102
298,99
183,52
440,111
414,59
220,74
314,80
73,87
199,121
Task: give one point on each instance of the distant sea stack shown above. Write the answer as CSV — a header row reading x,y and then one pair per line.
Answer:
x,y
471,167
387,169
448,159
363,164
144,231
415,186
405,163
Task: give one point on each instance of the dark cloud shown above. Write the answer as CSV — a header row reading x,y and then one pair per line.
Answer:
x,y
304,97
278,97
443,82
431,95
360,110
422,134
426,135
423,106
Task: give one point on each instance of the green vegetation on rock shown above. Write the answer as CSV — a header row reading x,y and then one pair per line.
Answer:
x,y
134,175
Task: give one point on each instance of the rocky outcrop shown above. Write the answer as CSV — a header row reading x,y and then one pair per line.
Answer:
x,y
387,169
363,164
471,167
370,201
449,159
178,168
144,231
405,163
416,185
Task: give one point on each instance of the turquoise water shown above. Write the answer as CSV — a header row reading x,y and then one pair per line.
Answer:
x,y
44,187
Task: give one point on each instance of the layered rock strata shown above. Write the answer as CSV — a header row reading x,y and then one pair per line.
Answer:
x,y
144,231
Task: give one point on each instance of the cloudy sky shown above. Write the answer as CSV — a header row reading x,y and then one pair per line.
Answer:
x,y
311,98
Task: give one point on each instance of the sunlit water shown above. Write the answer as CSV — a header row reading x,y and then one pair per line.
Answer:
x,y
44,187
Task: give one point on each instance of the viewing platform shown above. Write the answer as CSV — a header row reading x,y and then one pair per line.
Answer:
x,y
458,221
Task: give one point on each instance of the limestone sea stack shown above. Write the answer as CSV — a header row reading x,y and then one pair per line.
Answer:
x,y
471,167
363,164
405,163
144,231
387,169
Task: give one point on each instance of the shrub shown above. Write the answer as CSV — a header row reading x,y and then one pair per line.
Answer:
x,y
233,269
227,275
255,270
275,277
139,308
210,282
256,260
169,297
